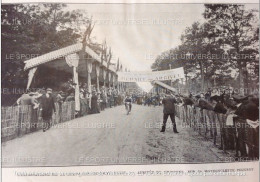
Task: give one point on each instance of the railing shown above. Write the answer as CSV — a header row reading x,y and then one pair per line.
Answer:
x,y
20,120
239,137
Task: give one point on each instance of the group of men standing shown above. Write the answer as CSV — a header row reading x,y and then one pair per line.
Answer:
x,y
47,106
90,103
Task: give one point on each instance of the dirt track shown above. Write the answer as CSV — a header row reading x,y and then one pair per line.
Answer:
x,y
111,137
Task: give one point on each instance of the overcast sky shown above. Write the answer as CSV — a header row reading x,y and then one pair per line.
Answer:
x,y
137,33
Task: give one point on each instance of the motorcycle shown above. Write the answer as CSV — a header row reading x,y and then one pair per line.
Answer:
x,y
127,107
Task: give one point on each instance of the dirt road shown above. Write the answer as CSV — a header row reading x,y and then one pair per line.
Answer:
x,y
111,137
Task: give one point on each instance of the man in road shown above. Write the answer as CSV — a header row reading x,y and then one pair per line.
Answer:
x,y
169,110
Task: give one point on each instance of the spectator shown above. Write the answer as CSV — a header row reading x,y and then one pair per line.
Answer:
x,y
59,100
88,98
35,103
103,101
47,104
83,104
94,103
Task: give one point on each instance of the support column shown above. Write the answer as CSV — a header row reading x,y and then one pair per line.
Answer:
x,y
73,60
112,79
97,74
115,81
104,75
89,67
109,78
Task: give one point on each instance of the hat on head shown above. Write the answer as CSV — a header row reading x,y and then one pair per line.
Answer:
x,y
49,89
240,98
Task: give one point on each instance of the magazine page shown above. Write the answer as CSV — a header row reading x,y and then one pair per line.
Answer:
x,y
129,91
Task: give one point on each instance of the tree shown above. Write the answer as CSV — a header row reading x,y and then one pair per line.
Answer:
x,y
197,54
30,30
211,51
236,31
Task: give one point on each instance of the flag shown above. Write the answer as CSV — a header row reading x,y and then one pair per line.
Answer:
x,y
88,31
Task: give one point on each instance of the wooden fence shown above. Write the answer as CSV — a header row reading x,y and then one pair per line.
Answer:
x,y
17,121
240,138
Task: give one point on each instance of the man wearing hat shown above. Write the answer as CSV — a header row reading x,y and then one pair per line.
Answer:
x,y
103,98
94,103
47,104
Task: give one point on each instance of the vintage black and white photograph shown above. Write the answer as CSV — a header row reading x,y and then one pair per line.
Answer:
x,y
122,84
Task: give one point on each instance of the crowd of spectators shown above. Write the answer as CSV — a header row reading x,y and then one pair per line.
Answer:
x,y
236,115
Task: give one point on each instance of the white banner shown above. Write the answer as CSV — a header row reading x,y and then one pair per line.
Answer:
x,y
148,76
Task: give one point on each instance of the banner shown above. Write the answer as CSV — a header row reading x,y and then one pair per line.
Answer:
x,y
149,76
165,86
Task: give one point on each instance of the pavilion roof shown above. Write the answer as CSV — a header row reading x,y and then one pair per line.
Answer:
x,y
61,53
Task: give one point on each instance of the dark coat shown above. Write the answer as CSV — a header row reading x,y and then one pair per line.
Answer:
x,y
204,104
94,104
168,105
187,101
248,110
219,108
48,106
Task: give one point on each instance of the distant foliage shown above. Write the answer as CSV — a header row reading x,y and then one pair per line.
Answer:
x,y
228,33
30,30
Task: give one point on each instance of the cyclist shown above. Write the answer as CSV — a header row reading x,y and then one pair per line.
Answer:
x,y
128,100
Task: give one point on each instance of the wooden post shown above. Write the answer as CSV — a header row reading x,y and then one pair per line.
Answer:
x,y
104,75
97,74
89,67
109,77
73,61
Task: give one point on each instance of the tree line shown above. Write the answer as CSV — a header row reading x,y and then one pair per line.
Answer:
x,y
30,30
221,51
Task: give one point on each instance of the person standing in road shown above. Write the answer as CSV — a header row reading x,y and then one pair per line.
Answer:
x,y
169,110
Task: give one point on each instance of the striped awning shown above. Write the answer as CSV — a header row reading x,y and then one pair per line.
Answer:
x,y
60,54
52,56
